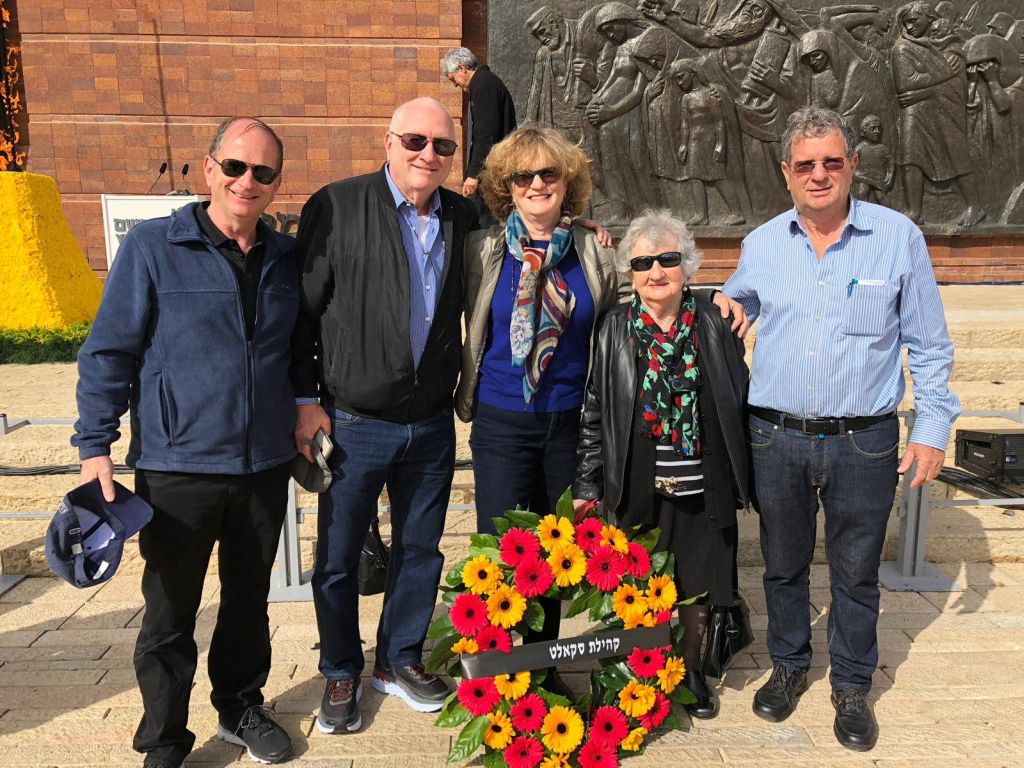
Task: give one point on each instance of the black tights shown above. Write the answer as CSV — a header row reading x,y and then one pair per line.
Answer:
x,y
694,619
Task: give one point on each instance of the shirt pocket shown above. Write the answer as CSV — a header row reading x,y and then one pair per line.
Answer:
x,y
869,309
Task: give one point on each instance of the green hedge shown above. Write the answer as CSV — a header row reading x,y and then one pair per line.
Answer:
x,y
39,345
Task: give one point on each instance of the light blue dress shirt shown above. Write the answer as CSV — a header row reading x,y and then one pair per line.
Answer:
x,y
832,329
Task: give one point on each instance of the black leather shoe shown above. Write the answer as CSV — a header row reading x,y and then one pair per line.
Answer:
x,y
776,699
706,706
265,740
554,683
855,726
413,684
339,708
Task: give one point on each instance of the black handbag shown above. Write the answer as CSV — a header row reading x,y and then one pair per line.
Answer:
x,y
373,562
729,632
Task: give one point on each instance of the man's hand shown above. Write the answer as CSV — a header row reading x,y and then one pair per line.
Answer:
x,y
101,468
310,418
929,463
604,237
469,186
727,306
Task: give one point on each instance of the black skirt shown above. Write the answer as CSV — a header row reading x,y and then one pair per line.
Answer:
x,y
705,554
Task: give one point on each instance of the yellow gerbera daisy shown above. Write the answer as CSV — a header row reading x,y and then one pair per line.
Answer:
x,y
613,537
505,606
633,741
499,733
562,729
628,600
568,564
636,699
481,575
671,674
465,645
661,593
645,619
512,686
554,761
554,530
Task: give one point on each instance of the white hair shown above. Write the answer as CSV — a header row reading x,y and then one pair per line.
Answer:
x,y
659,226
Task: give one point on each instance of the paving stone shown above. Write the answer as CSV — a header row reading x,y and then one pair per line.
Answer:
x,y
25,697
52,653
88,636
960,669
367,742
19,638
103,615
11,678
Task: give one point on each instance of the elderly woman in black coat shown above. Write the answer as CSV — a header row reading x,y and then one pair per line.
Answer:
x,y
661,438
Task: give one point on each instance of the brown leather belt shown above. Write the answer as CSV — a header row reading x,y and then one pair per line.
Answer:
x,y
817,426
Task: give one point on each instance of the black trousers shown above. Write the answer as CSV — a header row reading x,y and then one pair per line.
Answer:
x,y
244,514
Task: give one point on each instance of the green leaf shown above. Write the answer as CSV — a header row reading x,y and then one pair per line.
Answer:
x,y
454,717
602,607
658,560
534,616
501,525
491,553
616,672
649,540
454,577
672,722
481,540
677,634
553,699
691,600
537,677
523,518
441,627
563,507
469,740
449,595
585,600
583,704
682,695
441,653
494,759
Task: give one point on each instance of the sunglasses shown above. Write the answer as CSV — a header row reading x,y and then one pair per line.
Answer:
x,y
414,142
235,169
644,263
830,164
524,179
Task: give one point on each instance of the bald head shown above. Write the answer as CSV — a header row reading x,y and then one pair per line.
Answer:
x,y
418,173
421,106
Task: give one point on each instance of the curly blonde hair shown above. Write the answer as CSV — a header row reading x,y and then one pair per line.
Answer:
x,y
517,151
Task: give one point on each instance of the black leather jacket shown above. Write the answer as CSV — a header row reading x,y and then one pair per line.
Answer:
x,y
608,410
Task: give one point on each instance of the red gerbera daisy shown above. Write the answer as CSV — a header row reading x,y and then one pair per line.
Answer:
x,y
479,696
533,577
608,727
657,714
493,638
528,713
594,755
518,545
646,661
605,569
664,617
588,535
523,752
468,614
639,561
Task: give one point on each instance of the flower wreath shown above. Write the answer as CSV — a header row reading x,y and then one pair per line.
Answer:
x,y
596,568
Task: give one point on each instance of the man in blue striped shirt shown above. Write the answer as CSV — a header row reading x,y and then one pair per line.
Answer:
x,y
840,286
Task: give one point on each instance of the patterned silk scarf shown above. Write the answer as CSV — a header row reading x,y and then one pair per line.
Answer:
x,y
668,388
544,302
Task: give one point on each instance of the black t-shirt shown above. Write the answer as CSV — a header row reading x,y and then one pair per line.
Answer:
x,y
246,266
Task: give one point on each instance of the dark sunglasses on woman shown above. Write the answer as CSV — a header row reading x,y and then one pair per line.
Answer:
x,y
414,142
667,259
234,169
523,179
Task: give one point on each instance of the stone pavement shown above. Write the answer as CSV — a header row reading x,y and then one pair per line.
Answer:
x,y
950,690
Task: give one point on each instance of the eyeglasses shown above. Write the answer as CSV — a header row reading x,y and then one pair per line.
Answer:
x,y
524,179
234,169
830,164
414,142
667,259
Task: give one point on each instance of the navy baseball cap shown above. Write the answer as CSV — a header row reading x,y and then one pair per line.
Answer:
x,y
86,537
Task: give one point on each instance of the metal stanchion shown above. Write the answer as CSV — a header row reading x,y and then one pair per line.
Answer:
x,y
286,583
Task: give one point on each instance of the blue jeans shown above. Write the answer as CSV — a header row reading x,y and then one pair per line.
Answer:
x,y
415,462
854,476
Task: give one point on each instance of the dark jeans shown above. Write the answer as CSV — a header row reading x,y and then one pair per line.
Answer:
x,y
415,462
854,476
527,459
190,512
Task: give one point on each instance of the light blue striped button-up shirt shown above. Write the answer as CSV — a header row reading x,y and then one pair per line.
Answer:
x,y
831,330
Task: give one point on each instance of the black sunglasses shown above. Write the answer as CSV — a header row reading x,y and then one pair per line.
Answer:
x,y
523,179
234,169
644,263
830,164
414,142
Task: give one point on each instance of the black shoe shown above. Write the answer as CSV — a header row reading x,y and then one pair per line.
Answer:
x,y
706,706
554,683
855,725
776,699
154,763
413,684
265,740
339,708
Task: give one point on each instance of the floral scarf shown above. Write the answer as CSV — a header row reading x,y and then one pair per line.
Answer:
x,y
544,302
668,387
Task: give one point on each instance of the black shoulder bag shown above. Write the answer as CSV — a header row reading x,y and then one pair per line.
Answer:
x,y
373,561
729,632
